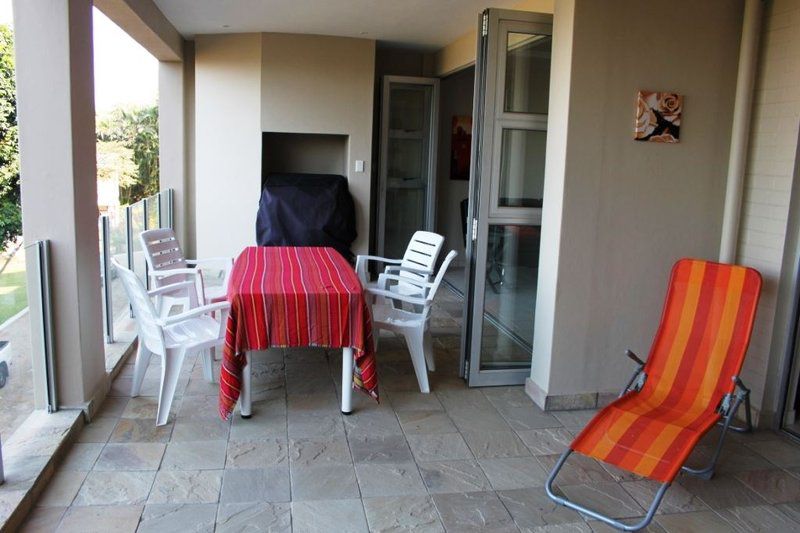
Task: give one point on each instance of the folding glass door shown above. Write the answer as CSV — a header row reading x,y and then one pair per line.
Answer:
x,y
510,132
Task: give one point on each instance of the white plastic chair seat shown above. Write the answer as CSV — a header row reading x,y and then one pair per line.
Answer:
x,y
386,315
191,332
405,289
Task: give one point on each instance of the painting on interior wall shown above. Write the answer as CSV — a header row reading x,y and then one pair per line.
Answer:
x,y
658,117
460,147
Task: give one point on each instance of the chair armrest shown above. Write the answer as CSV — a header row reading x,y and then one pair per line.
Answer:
x,y
398,268
740,384
383,278
378,258
396,296
226,261
173,272
361,265
197,311
172,287
638,378
634,357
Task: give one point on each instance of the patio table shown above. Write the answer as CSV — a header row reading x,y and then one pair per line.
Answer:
x,y
285,297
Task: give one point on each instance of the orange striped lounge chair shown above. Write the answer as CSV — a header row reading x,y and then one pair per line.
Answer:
x,y
689,383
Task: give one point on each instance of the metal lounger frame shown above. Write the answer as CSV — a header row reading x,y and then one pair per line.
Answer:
x,y
728,408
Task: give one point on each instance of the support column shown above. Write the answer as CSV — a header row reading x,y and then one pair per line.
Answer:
x,y
55,107
175,106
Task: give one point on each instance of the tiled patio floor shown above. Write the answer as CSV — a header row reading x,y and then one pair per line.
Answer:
x,y
457,459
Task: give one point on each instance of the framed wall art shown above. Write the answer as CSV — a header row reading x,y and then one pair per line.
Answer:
x,y
658,117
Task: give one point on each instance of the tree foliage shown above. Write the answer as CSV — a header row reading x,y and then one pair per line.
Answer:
x,y
134,129
115,162
10,213
127,148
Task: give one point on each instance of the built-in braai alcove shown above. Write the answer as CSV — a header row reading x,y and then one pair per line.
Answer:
x,y
303,153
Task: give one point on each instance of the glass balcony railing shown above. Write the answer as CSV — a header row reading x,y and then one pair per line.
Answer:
x,y
26,341
119,239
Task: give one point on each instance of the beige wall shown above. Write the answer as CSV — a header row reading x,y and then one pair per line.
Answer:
x,y
768,185
227,141
627,210
317,84
461,52
249,83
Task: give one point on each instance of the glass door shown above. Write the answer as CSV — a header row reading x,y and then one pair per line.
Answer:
x,y
512,84
408,154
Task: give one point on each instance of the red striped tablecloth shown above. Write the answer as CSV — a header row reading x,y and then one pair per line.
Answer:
x,y
289,297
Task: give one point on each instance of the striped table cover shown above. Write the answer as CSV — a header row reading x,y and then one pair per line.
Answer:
x,y
698,348
290,297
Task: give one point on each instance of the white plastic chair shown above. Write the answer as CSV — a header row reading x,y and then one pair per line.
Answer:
x,y
417,264
412,321
172,337
168,266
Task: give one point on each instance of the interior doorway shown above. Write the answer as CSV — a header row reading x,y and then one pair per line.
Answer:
x,y
407,176
456,92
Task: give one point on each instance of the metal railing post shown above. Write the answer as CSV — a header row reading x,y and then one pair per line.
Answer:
x,y
42,265
129,243
105,272
158,201
170,208
146,226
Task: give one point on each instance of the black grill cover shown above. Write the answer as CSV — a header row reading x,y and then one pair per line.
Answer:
x,y
306,210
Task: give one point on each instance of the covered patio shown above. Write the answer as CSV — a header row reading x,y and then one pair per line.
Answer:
x,y
457,459
530,329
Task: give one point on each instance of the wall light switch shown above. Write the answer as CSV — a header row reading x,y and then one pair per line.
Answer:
x,y
359,165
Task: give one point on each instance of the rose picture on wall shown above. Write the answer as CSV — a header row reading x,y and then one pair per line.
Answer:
x,y
658,117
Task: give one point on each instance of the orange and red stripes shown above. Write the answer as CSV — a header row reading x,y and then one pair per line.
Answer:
x,y
699,346
288,297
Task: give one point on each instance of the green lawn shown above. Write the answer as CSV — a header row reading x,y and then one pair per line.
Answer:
x,y
13,297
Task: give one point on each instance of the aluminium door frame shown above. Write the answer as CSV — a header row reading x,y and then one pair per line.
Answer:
x,y
383,173
488,119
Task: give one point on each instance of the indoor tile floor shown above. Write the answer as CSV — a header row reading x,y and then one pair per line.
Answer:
x,y
457,459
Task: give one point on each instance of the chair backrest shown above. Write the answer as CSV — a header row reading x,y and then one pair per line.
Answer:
x,y
146,317
703,335
421,254
163,252
437,282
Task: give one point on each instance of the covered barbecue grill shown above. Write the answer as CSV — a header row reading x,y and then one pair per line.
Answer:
x,y
306,210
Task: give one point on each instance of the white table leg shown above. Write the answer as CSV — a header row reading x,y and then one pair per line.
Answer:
x,y
245,400
347,381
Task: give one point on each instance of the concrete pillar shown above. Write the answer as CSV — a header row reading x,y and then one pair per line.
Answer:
x,y
172,140
175,111
55,99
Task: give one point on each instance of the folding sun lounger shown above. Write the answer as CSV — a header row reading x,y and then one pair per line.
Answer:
x,y
688,384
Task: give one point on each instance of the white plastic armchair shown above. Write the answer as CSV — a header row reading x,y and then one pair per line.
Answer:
x,y
172,338
412,321
417,264
167,266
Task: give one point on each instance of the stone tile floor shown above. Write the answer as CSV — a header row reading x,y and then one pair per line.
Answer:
x,y
457,459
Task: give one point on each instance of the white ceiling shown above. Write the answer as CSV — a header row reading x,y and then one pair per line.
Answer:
x,y
427,24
